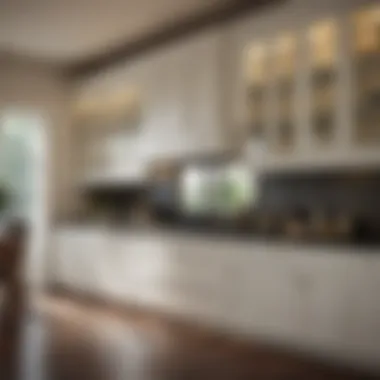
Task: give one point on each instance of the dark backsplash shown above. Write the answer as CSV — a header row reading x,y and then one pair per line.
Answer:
x,y
284,197
356,193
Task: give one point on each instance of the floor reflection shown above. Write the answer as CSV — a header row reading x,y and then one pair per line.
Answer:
x,y
56,338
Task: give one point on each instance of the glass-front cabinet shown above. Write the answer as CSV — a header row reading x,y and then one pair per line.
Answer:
x,y
323,53
284,94
257,91
366,68
314,93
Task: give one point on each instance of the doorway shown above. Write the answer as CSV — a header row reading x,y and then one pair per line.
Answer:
x,y
23,172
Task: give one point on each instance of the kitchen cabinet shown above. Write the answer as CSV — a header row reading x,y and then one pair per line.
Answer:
x,y
335,87
257,76
320,299
201,87
199,279
366,68
264,297
78,257
301,104
285,134
60,263
317,282
184,92
149,270
179,90
324,49
106,122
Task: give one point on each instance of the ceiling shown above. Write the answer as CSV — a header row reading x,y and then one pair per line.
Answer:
x,y
70,31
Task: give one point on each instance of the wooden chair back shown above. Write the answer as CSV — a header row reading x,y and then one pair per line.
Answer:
x,y
12,247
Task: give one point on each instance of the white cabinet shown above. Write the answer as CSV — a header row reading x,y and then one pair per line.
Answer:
x,y
323,300
196,278
181,89
337,75
183,98
77,255
357,311
332,303
146,267
262,299
201,90
59,270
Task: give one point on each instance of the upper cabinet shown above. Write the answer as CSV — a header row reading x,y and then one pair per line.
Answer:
x,y
201,89
323,52
285,62
305,96
104,124
312,96
257,92
366,67
164,105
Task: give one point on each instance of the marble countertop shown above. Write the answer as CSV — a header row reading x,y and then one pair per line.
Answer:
x,y
213,234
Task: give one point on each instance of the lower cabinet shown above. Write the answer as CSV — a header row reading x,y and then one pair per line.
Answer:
x,y
323,301
78,256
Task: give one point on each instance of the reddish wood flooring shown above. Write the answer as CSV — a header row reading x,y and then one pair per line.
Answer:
x,y
58,338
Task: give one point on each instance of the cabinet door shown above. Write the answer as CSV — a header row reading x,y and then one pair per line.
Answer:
x,y
94,252
77,259
60,263
163,132
322,300
77,262
371,313
317,280
200,93
195,277
356,327
264,295
285,294
70,258
140,265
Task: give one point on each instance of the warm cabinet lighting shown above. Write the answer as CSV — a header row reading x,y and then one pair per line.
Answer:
x,y
257,69
117,105
104,118
323,48
285,66
324,44
257,78
319,86
366,54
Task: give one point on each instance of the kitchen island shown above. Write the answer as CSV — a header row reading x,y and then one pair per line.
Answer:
x,y
319,299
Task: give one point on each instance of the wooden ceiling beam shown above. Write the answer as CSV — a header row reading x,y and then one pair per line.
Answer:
x,y
169,33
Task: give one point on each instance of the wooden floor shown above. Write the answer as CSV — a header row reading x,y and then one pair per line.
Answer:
x,y
62,339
